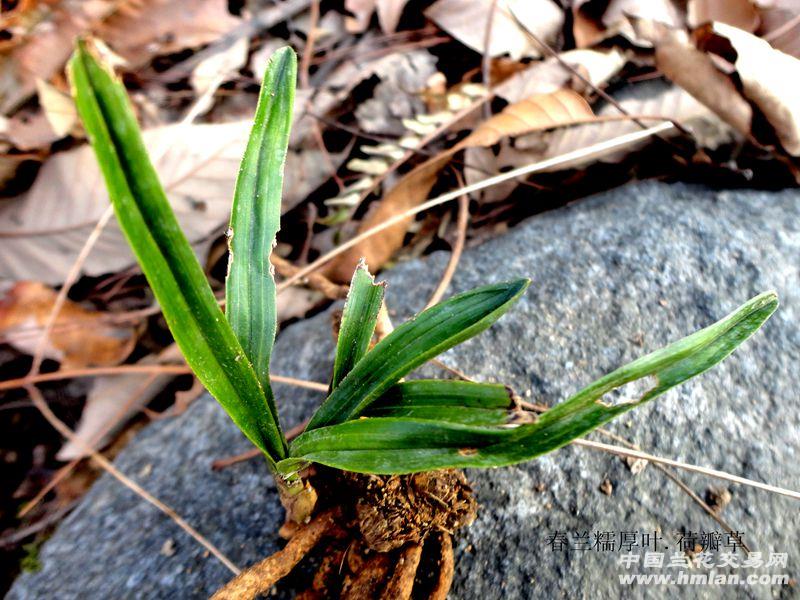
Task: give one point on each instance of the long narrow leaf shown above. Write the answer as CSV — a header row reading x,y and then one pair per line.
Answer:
x,y
360,314
413,343
405,445
255,218
461,402
446,392
166,258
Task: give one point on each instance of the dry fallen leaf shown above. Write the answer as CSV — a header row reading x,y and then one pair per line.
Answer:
x,y
389,12
140,29
648,98
539,112
780,24
739,13
615,19
136,29
79,338
47,227
215,70
693,70
769,78
467,20
113,399
549,75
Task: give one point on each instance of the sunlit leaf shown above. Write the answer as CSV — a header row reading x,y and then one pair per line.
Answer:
x,y
167,260
405,445
413,343
360,314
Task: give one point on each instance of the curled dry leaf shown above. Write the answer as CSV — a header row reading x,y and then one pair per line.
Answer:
x,y
769,78
389,12
47,227
79,338
467,20
550,75
743,14
693,70
593,25
137,30
654,98
544,111
140,29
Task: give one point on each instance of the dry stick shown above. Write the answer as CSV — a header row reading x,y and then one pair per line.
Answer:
x,y
10,384
64,471
259,578
688,467
308,51
72,276
108,466
455,255
602,93
582,153
222,463
682,485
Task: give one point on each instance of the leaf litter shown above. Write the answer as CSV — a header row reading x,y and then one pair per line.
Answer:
x,y
397,101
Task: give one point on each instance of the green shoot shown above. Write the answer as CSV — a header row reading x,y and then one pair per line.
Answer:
x,y
371,421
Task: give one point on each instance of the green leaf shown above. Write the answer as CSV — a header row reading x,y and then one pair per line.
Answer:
x,y
447,392
167,260
406,445
255,218
462,402
360,314
413,343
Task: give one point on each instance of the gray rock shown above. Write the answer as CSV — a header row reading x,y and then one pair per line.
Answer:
x,y
613,277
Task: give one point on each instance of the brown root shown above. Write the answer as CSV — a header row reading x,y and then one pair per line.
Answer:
x,y
402,582
369,579
260,578
446,569
380,524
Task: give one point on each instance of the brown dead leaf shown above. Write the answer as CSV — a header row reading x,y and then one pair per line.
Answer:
x,y
679,59
47,226
739,13
136,29
614,18
466,20
537,113
654,98
389,12
28,304
43,46
780,24
140,29
113,400
769,78
549,75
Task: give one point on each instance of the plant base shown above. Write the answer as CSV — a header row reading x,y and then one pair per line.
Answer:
x,y
378,530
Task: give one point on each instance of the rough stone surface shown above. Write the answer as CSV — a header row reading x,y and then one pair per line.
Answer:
x,y
613,277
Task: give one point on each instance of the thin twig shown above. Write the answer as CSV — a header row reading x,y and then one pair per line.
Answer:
x,y
458,247
582,153
108,466
687,467
308,51
683,486
10,384
72,276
